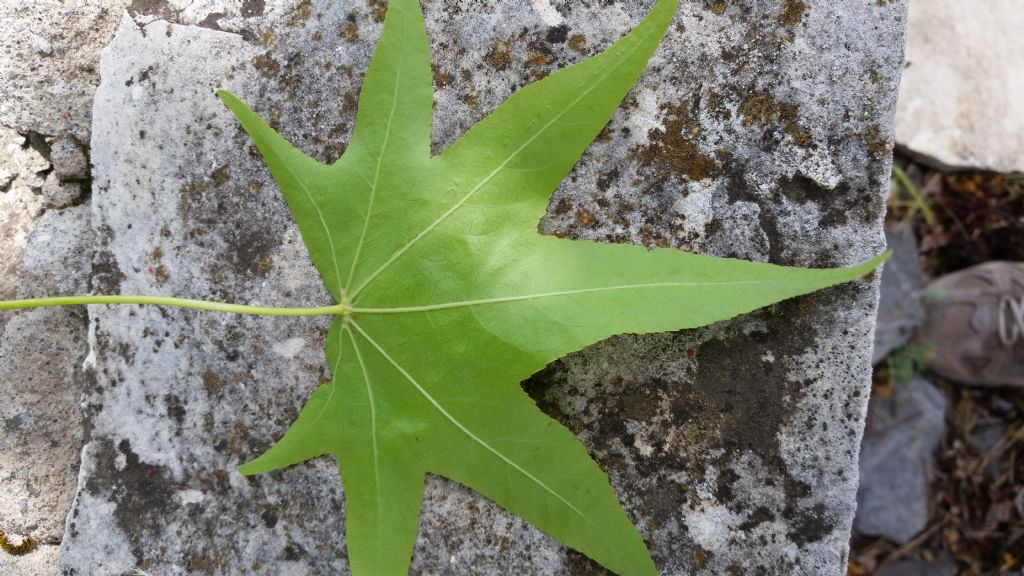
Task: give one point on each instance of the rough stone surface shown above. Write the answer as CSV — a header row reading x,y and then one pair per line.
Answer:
x,y
20,207
57,194
68,158
43,381
49,70
899,310
961,101
761,131
896,460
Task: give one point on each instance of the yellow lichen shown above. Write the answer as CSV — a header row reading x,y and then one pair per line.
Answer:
x,y
27,544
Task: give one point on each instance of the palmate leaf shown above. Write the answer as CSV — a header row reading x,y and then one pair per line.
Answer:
x,y
453,298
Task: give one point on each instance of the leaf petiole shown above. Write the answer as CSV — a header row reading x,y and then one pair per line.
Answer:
x,y
336,310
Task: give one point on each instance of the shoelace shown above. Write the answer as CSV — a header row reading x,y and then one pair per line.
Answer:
x,y
1015,306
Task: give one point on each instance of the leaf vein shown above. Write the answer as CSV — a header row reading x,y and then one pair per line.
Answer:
x,y
540,295
462,427
373,436
398,254
376,177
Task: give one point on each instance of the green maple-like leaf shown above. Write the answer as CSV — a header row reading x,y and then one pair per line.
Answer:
x,y
453,298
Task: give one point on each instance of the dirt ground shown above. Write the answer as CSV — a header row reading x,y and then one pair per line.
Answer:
x,y
977,489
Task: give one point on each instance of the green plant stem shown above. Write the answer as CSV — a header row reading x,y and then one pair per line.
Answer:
x,y
904,181
335,310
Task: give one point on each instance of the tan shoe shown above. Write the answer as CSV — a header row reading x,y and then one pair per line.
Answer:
x,y
975,325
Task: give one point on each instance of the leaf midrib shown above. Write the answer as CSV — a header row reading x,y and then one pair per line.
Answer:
x,y
376,177
373,435
463,428
541,295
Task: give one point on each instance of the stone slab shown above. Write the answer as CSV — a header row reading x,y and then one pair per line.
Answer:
x,y
49,67
43,380
20,207
961,102
761,131
897,459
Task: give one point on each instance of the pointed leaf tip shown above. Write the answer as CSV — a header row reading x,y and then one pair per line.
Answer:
x,y
308,437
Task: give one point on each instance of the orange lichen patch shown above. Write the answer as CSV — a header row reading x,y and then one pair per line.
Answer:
x,y
792,12
162,274
266,65
22,548
211,381
538,58
350,32
221,175
578,43
500,55
675,151
700,558
265,266
789,115
442,79
877,143
378,10
763,108
585,218
759,108
302,13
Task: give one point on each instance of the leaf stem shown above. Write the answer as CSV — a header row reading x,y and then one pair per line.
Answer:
x,y
336,310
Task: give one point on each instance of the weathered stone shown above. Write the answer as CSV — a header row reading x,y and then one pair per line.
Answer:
x,y
59,253
49,69
68,159
897,458
760,132
43,381
22,164
899,310
20,207
57,194
960,101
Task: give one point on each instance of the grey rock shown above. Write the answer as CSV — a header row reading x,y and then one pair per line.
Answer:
x,y
59,253
20,208
43,382
761,133
960,102
896,460
941,567
49,69
899,310
57,194
22,164
69,161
